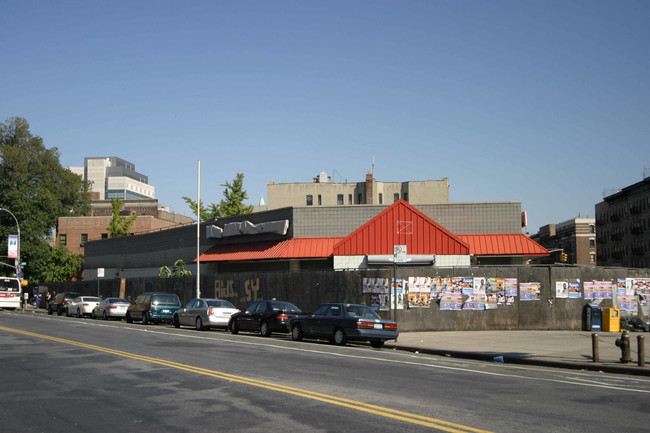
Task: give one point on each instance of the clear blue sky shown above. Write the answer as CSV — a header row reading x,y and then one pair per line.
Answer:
x,y
543,102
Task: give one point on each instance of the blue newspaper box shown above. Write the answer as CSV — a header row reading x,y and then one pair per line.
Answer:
x,y
593,316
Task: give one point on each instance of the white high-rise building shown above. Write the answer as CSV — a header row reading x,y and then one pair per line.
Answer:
x,y
113,177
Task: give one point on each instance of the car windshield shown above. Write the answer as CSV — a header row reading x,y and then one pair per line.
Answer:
x,y
87,299
361,311
218,303
165,300
284,306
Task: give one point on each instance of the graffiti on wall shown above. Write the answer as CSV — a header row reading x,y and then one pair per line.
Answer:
x,y
225,289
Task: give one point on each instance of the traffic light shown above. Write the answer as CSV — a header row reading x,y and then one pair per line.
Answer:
x,y
563,257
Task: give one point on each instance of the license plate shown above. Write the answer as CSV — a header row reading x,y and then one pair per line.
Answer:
x,y
165,311
378,326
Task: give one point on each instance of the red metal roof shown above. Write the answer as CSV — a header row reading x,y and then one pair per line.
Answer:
x,y
401,224
503,244
296,248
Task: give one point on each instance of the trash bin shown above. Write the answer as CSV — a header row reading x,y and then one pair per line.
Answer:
x,y
611,319
592,317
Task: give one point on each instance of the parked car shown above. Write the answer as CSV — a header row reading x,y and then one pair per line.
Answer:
x,y
58,303
110,307
264,317
204,314
341,323
81,306
153,307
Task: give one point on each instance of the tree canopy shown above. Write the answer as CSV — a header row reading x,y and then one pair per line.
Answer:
x,y
37,190
120,224
232,204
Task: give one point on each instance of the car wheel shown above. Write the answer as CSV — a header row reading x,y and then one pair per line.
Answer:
x,y
377,344
199,324
265,331
104,315
175,321
145,319
128,318
234,326
50,311
79,313
339,337
296,333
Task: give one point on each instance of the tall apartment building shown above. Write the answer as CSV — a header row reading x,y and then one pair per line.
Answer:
x,y
324,192
575,237
623,221
113,177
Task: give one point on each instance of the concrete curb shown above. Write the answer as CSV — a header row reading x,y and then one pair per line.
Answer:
x,y
631,368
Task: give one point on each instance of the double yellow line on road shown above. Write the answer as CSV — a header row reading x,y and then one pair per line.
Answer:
x,y
329,399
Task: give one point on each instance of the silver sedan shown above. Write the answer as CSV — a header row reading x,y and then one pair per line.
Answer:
x,y
110,307
204,314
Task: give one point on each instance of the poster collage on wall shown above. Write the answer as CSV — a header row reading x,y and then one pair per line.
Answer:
x,y
486,293
453,293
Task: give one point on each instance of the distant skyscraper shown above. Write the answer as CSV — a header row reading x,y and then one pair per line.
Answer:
x,y
113,177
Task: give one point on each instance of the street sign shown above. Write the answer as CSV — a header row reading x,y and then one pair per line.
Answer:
x,y
399,253
100,272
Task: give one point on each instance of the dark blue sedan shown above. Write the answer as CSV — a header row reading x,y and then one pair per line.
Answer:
x,y
341,323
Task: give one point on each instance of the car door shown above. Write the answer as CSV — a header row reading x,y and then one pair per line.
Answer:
x,y
186,315
245,319
311,323
329,321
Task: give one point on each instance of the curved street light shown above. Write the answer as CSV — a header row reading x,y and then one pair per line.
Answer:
x,y
17,267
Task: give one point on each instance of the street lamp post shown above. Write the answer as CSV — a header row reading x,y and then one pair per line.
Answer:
x,y
17,267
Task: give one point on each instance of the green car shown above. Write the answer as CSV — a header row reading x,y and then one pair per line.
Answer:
x,y
153,307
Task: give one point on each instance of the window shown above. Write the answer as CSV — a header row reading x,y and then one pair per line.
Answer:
x,y
310,199
104,235
320,200
592,228
592,243
339,199
84,239
63,240
360,198
395,197
349,198
381,198
592,258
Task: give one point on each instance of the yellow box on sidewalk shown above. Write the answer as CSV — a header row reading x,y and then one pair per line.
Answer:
x,y
611,319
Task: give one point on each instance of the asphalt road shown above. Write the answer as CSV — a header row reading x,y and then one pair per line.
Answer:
x,y
61,374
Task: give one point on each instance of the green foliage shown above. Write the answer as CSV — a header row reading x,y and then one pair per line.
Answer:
x,y
119,225
232,204
179,269
164,272
37,190
61,265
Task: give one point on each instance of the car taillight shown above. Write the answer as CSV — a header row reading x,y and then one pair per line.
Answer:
x,y
390,325
63,302
210,312
112,307
362,324
85,305
283,317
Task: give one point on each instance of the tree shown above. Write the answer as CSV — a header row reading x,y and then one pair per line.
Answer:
x,y
179,269
164,272
61,265
232,204
37,190
120,224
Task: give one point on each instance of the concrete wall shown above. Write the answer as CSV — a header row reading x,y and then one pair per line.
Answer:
x,y
307,289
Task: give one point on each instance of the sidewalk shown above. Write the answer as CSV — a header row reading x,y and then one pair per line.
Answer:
x,y
563,349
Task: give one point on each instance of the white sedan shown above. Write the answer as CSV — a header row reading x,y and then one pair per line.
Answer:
x,y
81,306
205,314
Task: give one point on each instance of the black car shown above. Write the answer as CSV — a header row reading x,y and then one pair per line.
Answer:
x,y
341,323
264,317
59,302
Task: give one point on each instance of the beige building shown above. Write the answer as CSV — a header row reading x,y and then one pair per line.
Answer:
x,y
575,237
324,192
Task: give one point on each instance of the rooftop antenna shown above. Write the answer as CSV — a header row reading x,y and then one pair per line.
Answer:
x,y
373,166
